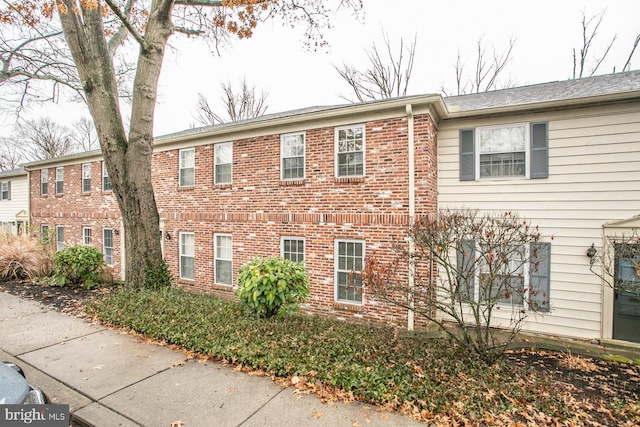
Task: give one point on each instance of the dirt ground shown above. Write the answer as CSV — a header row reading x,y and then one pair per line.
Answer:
x,y
587,382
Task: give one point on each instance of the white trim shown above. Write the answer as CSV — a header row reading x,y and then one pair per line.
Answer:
x,y
181,254
335,269
85,165
304,245
59,174
44,173
105,175
215,164
182,168
215,257
364,150
104,246
527,150
59,243
304,155
84,236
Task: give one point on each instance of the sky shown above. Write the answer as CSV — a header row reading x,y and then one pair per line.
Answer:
x,y
275,60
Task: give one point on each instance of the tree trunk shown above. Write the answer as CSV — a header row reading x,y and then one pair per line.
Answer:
x,y
128,159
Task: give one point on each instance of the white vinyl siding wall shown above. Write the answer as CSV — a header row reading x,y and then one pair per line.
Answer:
x,y
19,198
594,178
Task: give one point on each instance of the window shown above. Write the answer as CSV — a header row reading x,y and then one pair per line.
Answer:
x,y
223,154
349,261
5,190
107,245
44,182
350,151
44,233
187,167
518,150
106,181
292,155
522,280
59,237
292,248
187,256
86,177
223,255
59,180
86,236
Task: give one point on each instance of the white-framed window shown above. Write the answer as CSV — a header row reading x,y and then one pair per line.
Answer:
x,y
59,237
223,162
187,167
292,148
107,245
59,180
187,256
86,236
223,255
44,234
349,260
86,177
44,182
517,275
350,150
5,190
106,181
292,248
503,151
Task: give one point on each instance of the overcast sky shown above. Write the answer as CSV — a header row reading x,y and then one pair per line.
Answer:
x,y
276,61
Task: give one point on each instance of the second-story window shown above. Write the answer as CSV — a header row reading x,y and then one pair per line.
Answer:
x,y
44,182
223,155
350,142
86,236
106,181
5,194
187,167
86,177
292,155
59,180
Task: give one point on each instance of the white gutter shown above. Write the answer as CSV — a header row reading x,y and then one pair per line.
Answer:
x,y
412,215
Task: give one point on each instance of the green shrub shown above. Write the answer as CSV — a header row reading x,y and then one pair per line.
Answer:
x,y
160,278
77,265
271,284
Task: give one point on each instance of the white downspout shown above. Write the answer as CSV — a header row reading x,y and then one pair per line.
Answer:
x,y
412,215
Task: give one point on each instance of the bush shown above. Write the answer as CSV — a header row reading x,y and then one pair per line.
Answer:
x,y
157,279
23,257
77,265
271,284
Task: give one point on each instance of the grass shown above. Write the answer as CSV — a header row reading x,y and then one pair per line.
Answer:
x,y
23,257
411,373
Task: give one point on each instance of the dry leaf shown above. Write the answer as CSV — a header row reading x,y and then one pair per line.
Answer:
x,y
178,423
179,363
317,415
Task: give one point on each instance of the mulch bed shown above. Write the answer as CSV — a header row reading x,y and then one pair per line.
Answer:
x,y
590,383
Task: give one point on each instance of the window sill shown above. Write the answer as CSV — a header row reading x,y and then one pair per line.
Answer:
x,y
58,195
351,308
224,185
186,188
292,182
349,180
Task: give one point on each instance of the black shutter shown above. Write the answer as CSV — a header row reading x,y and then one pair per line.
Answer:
x,y
539,276
467,155
539,150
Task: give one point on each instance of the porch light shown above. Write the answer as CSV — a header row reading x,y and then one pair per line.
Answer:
x,y
167,236
591,252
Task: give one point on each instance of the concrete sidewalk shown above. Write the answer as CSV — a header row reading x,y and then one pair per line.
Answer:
x,y
110,378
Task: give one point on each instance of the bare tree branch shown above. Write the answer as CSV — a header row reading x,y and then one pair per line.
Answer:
x,y
241,104
627,64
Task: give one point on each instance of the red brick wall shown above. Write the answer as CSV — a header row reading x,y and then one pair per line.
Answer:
x,y
75,209
258,208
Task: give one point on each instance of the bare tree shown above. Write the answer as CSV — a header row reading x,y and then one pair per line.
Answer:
x,y
11,156
94,32
617,262
42,138
585,63
468,267
84,136
487,71
388,75
243,103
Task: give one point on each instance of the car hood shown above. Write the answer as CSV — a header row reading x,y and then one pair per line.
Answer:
x,y
13,386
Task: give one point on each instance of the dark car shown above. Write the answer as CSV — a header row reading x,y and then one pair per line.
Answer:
x,y
14,388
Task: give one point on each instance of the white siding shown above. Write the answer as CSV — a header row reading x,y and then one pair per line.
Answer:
x,y
594,178
19,199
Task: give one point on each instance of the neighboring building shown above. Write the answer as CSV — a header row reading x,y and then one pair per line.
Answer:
x,y
332,185
14,201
